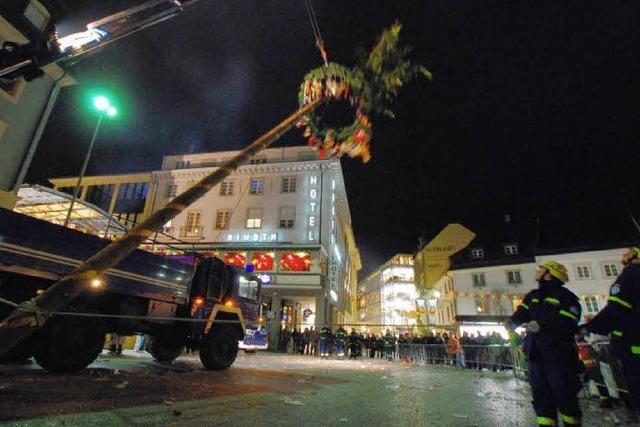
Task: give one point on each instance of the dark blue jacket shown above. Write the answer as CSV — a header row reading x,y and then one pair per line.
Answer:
x,y
621,316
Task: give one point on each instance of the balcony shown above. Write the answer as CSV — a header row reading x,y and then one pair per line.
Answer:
x,y
192,232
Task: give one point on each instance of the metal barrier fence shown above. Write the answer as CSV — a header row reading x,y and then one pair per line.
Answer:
x,y
602,376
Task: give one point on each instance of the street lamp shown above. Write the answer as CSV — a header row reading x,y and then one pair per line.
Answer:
x,y
104,108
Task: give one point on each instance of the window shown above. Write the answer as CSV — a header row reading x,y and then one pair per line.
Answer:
x,y
263,261
479,280
193,220
223,218
287,217
235,258
583,271
513,277
183,164
172,191
295,261
226,188
483,306
288,184
247,288
511,249
592,304
258,160
477,253
610,270
254,218
257,186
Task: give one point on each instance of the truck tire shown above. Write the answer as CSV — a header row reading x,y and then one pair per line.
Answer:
x,y
219,349
69,344
164,350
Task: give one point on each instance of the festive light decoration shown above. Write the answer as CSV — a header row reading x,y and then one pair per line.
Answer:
x,y
235,258
295,261
369,88
263,261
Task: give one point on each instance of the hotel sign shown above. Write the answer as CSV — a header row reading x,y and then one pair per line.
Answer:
x,y
313,208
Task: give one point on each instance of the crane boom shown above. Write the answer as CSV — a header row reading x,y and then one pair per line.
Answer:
x,y
15,59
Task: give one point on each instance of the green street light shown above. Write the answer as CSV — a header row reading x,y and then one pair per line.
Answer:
x,y
104,107
101,103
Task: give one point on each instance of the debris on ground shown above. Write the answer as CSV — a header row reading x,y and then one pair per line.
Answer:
x,y
122,385
294,402
460,416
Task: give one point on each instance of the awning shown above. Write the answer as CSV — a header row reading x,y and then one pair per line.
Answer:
x,y
51,205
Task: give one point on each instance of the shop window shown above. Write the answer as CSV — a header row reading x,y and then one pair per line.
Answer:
x,y
248,288
263,261
235,258
295,261
483,306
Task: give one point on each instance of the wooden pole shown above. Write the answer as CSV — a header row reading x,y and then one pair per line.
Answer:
x,y
21,324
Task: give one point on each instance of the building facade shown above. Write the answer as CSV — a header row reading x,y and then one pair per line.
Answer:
x,y
286,213
25,108
388,297
479,292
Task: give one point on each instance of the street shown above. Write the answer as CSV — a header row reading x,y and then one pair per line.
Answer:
x,y
269,389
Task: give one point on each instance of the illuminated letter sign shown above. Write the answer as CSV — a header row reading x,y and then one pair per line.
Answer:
x,y
313,203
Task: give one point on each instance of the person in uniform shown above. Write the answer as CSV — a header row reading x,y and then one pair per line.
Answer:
x,y
621,319
551,313
341,339
389,345
354,344
326,336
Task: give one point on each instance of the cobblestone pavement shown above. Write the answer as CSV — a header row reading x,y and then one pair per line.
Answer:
x,y
268,389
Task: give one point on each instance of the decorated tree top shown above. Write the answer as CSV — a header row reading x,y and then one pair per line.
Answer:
x,y
369,88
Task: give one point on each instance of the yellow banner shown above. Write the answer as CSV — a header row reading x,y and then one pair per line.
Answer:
x,y
452,239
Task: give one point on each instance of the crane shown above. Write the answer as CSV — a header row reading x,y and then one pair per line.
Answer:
x,y
45,47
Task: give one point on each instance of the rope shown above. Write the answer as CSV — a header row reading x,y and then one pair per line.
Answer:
x,y
316,31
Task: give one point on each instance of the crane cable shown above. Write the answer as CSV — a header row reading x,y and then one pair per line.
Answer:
x,y
316,31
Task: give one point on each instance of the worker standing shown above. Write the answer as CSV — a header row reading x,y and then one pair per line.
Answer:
x,y
551,313
621,319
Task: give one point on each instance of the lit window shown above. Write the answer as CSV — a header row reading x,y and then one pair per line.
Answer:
x,y
611,270
226,188
288,184
583,271
479,280
235,258
513,277
287,217
257,186
254,218
511,249
223,218
263,261
295,261
172,190
592,304
477,253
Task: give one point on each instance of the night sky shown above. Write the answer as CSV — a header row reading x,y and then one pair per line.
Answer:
x,y
534,108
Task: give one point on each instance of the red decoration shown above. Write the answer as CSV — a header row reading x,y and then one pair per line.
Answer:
x,y
295,261
235,258
262,261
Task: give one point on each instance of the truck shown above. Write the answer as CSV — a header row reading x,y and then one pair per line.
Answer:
x,y
203,304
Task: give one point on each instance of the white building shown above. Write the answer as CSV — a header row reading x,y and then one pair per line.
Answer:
x,y
388,297
484,287
285,212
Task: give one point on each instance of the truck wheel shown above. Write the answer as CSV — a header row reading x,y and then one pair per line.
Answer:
x,y
219,349
68,344
164,350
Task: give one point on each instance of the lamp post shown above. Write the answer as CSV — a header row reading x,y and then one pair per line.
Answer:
x,y
104,108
